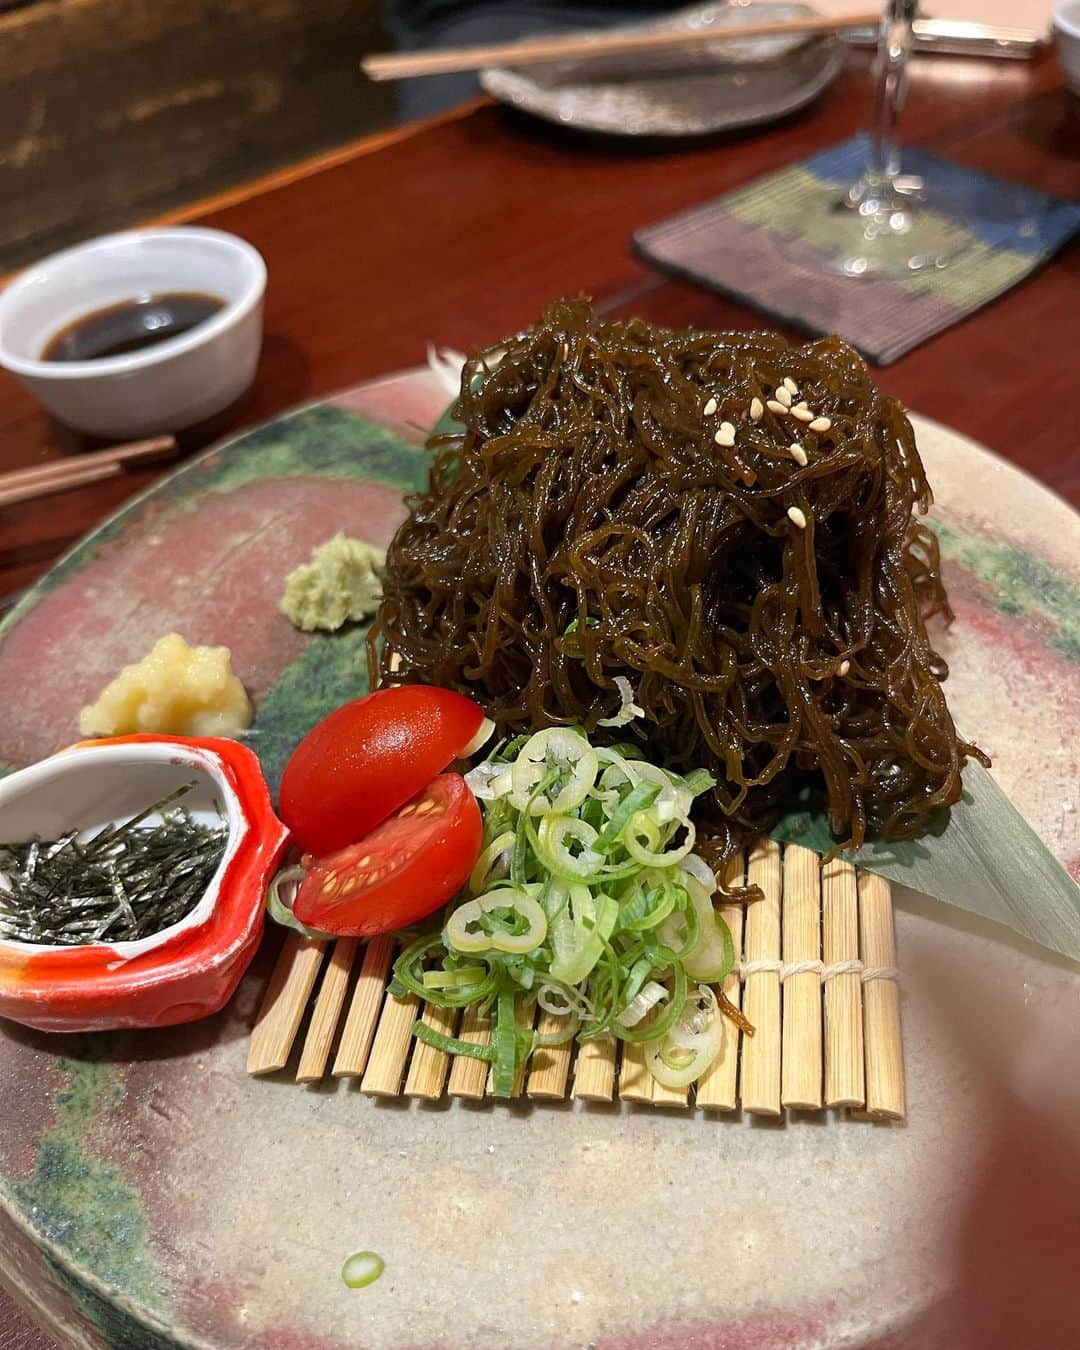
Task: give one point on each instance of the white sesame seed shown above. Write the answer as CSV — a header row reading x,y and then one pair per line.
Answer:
x,y
709,408
802,412
820,424
777,408
725,435
798,454
843,667
790,386
796,517
757,411
783,395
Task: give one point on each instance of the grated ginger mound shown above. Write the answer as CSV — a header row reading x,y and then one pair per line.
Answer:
x,y
175,690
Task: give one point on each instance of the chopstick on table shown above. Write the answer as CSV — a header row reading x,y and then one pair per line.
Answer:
x,y
22,485
535,51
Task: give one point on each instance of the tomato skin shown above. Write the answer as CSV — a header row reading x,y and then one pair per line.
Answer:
x,y
368,758
407,867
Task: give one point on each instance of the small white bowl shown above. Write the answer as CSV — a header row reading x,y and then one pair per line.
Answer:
x,y
1067,35
163,388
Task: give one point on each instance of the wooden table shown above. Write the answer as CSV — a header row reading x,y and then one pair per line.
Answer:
x,y
459,229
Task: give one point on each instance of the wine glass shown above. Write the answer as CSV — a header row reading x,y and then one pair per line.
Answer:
x,y
886,224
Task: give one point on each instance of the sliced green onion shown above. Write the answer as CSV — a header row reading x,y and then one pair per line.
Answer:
x,y
588,901
627,710
682,1055
562,1000
565,1033
713,955
641,1004
450,1045
556,748
699,781
362,1269
409,973
681,932
281,912
454,979
645,909
553,840
496,935
579,932
662,1018
481,873
504,1044
637,799
642,827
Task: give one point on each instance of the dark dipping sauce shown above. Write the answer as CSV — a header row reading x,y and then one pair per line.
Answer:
x,y
131,325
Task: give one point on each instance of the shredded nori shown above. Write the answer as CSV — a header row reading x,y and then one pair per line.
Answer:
x,y
128,881
586,523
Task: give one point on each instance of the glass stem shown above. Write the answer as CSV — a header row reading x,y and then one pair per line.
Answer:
x,y
890,88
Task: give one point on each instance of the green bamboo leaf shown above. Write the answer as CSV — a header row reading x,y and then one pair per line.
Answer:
x,y
983,857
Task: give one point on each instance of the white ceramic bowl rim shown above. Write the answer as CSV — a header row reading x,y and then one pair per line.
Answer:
x,y
1066,16
140,753
220,240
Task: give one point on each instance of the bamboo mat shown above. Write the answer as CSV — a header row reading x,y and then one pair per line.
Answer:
x,y
816,977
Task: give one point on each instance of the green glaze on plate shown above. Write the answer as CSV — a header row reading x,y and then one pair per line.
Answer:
x,y
153,1195
85,1204
1019,583
331,671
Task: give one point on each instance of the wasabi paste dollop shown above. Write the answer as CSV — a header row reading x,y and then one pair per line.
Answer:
x,y
342,582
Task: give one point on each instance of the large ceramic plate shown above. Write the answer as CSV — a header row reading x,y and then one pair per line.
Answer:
x,y
690,93
152,1194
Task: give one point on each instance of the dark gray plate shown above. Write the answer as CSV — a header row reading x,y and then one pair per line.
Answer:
x,y
696,92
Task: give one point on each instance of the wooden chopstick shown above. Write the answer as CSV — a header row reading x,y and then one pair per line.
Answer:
x,y
76,477
73,471
535,51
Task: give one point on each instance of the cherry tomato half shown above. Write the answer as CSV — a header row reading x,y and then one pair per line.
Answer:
x,y
405,868
368,758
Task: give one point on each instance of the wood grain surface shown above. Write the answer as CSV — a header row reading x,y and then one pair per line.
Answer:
x,y
110,109
462,230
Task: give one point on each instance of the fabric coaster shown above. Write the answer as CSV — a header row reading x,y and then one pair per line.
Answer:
x,y
763,245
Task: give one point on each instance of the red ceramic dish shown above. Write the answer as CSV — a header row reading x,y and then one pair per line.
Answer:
x,y
190,969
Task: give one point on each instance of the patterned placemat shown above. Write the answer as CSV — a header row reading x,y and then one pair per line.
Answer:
x,y
764,244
